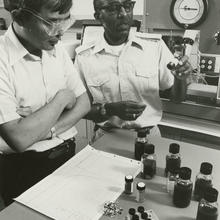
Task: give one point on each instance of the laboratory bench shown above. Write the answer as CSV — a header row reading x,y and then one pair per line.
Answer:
x,y
191,122
121,142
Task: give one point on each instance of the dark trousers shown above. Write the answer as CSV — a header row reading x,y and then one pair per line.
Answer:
x,y
20,171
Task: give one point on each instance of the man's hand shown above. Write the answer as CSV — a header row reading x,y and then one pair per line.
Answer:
x,y
126,110
24,111
183,69
67,96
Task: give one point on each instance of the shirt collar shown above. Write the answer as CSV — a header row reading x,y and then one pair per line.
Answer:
x,y
132,41
51,52
17,50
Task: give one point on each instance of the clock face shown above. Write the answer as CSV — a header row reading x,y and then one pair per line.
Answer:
x,y
188,13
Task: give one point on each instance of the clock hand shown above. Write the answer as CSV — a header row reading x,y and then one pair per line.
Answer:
x,y
189,9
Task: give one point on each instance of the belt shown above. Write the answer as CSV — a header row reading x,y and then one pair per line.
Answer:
x,y
65,147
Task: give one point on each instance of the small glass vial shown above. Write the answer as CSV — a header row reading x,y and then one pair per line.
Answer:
x,y
183,188
173,159
131,213
128,184
140,192
140,210
203,180
135,217
172,177
208,206
144,216
149,162
140,142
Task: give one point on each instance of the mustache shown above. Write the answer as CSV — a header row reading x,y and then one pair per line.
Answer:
x,y
123,22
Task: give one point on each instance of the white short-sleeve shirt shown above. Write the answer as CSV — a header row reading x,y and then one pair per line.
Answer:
x,y
137,73
28,80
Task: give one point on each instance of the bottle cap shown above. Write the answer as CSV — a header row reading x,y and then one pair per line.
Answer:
x,y
185,173
142,133
144,215
149,149
135,217
206,168
174,148
211,194
141,186
131,211
141,209
129,179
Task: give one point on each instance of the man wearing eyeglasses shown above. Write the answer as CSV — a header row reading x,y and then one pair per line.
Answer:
x,y
41,95
124,71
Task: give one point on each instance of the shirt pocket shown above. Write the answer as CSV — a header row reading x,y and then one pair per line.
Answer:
x,y
147,78
99,87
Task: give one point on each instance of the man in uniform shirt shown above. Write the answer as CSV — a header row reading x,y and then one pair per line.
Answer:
x,y
124,71
41,95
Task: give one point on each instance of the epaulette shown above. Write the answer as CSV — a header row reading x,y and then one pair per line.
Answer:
x,y
85,47
148,36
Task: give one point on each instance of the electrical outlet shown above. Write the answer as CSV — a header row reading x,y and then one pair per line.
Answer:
x,y
210,63
207,64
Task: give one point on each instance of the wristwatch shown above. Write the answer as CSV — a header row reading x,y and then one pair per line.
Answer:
x,y
53,132
103,109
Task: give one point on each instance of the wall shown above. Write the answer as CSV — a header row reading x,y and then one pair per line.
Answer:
x,y
6,15
157,16
84,8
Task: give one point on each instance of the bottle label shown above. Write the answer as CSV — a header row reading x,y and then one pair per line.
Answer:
x,y
148,168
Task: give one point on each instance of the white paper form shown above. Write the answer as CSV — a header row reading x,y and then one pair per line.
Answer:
x,y
79,189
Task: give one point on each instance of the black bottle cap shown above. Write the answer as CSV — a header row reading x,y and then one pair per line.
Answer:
x,y
185,173
144,215
211,194
129,179
135,217
174,148
206,168
142,133
141,209
131,211
141,186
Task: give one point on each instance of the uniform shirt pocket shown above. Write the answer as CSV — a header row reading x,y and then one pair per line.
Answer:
x,y
98,86
147,78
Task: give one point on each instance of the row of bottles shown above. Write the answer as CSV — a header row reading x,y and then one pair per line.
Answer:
x,y
179,183
205,194
145,152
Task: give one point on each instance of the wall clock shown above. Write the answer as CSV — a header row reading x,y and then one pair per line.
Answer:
x,y
189,13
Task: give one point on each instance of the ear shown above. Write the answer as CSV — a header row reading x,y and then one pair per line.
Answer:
x,y
97,15
17,16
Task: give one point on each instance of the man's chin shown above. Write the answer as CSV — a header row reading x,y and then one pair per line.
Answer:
x,y
123,31
123,34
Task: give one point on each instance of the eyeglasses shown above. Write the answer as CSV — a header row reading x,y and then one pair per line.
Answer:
x,y
115,8
53,28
